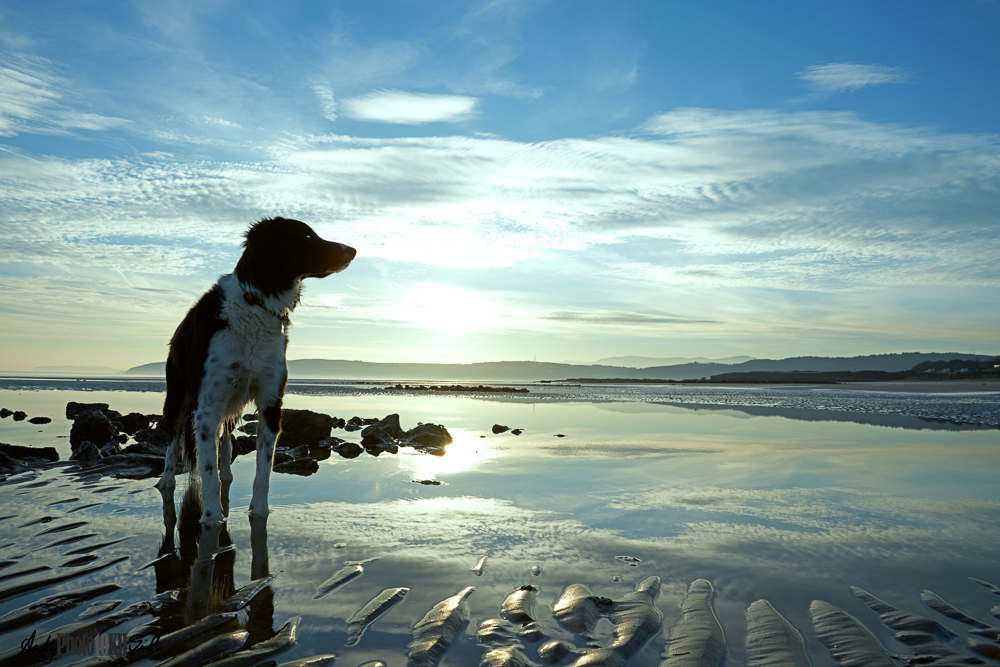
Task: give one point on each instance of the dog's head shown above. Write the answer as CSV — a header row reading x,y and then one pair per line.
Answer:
x,y
279,251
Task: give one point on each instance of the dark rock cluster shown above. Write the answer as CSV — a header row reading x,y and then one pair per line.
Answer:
x,y
20,416
462,388
133,445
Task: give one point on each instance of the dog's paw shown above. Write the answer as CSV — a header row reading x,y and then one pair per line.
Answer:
x,y
212,519
259,512
165,486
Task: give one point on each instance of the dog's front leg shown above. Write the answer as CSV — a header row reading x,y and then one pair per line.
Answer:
x,y
268,429
206,430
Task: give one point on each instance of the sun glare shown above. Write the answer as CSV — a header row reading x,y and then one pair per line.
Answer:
x,y
466,452
438,307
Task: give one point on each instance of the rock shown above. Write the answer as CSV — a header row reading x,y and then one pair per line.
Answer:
x,y
282,457
349,427
154,436
427,482
134,422
249,428
75,410
356,420
111,449
4,413
299,452
338,422
20,416
381,432
330,443
7,464
517,431
30,454
40,420
86,452
91,427
427,435
134,466
304,466
381,448
146,449
245,444
250,417
500,428
349,450
304,427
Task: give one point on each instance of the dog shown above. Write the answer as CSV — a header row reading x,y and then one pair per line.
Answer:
x,y
229,350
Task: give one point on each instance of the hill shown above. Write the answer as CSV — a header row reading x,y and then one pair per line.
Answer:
x,y
530,371
647,362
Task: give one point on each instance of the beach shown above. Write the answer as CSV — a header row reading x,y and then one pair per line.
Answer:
x,y
788,494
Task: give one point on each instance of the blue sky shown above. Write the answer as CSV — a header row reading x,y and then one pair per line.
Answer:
x,y
551,180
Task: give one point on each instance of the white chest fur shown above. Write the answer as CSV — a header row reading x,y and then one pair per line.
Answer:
x,y
246,358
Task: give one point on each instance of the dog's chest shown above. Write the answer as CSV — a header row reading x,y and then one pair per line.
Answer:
x,y
252,344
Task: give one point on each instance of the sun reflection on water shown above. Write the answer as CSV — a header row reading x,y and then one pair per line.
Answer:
x,y
466,452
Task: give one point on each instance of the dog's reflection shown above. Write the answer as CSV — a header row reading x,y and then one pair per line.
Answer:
x,y
200,567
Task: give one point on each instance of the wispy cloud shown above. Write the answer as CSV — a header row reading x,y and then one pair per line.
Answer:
x,y
395,106
324,93
30,101
840,77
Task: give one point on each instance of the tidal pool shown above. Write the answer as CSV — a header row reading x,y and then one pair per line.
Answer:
x,y
784,504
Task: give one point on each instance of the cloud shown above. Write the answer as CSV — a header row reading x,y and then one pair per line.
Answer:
x,y
30,101
613,318
394,106
840,77
324,93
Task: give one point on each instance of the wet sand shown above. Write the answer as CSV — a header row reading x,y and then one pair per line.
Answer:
x,y
648,533
931,387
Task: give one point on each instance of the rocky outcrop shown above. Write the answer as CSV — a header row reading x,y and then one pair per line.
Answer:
x,y
75,410
86,452
134,422
304,427
92,427
381,432
30,455
40,420
427,436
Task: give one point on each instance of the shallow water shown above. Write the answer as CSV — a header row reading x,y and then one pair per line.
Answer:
x,y
785,496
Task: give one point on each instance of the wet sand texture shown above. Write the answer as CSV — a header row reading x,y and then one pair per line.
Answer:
x,y
285,639
339,578
433,634
372,611
519,606
51,605
202,654
319,661
14,591
480,566
697,640
635,619
771,640
242,597
503,648
848,641
935,603
925,637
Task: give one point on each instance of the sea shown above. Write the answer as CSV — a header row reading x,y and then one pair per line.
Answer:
x,y
623,524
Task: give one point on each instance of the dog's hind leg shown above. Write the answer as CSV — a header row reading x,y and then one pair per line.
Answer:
x,y
225,466
268,429
167,484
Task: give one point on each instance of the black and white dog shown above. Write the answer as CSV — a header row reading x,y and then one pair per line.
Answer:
x,y
230,350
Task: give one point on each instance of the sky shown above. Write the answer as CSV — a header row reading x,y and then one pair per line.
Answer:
x,y
562,181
